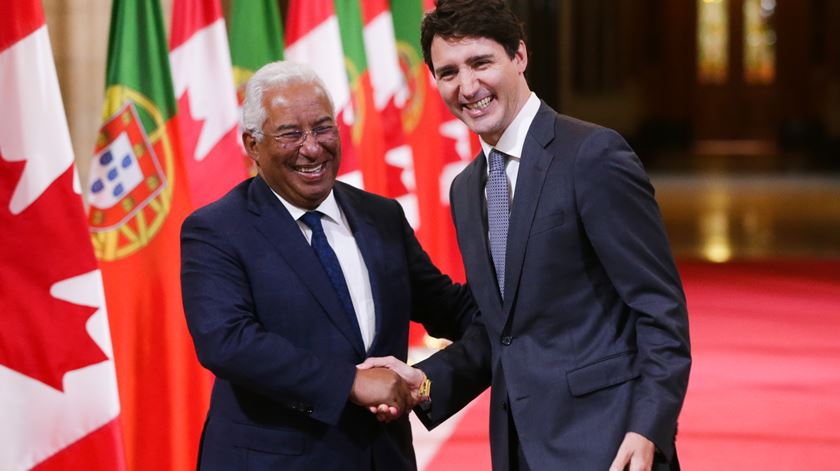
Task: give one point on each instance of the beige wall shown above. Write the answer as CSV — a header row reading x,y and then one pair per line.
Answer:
x,y
79,35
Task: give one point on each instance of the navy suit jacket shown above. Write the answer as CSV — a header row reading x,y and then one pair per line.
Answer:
x,y
591,340
266,321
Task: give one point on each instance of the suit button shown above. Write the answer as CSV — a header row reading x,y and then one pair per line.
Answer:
x,y
309,410
504,405
506,340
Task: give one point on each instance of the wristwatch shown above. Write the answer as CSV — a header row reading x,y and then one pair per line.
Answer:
x,y
425,394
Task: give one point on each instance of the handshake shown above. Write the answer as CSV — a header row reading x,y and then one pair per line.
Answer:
x,y
387,387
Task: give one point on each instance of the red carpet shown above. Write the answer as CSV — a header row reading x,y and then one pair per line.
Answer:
x,y
765,383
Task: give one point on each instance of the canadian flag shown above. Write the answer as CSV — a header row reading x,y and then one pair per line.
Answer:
x,y
208,113
58,387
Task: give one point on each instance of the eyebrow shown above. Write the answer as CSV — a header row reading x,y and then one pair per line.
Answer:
x,y
323,120
293,127
441,70
471,61
484,57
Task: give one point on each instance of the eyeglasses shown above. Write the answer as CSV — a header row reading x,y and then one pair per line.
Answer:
x,y
325,134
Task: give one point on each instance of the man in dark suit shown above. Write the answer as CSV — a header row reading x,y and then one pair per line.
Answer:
x,y
292,279
583,329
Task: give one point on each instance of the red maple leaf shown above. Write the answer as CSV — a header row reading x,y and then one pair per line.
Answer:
x,y
221,169
41,336
189,128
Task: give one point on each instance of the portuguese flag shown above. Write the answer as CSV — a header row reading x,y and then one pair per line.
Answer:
x,y
367,135
138,199
389,93
256,38
441,144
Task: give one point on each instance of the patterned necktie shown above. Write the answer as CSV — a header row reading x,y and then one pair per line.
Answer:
x,y
330,263
498,214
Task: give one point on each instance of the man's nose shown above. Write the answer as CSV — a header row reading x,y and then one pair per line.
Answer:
x,y
468,83
310,144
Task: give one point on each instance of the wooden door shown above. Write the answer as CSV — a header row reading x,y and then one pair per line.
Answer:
x,y
740,101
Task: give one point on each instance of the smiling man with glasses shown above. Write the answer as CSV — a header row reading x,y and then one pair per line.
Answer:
x,y
299,168
291,280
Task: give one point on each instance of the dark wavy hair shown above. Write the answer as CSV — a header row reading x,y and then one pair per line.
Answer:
x,y
455,19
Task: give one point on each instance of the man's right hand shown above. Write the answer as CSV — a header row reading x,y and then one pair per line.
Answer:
x,y
377,387
412,376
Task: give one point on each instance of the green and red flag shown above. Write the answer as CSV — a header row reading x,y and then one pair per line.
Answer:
x,y
441,144
367,136
59,407
208,112
256,38
138,197
389,95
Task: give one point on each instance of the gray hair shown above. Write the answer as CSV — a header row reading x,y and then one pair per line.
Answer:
x,y
271,75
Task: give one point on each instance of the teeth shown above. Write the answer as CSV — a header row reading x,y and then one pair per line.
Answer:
x,y
310,169
480,104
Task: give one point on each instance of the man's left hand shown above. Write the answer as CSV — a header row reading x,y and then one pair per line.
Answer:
x,y
635,453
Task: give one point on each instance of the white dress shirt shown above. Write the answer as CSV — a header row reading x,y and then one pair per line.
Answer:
x,y
349,256
513,139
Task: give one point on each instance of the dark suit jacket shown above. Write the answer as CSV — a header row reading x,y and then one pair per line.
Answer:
x,y
591,340
266,321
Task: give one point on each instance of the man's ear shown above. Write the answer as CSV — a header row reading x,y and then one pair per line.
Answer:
x,y
521,57
250,143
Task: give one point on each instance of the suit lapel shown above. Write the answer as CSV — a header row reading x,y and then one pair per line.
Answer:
x,y
532,171
277,226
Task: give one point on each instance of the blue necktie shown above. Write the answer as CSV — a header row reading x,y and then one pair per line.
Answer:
x,y
330,263
498,214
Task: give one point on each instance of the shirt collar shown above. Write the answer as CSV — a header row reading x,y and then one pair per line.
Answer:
x,y
513,138
328,207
